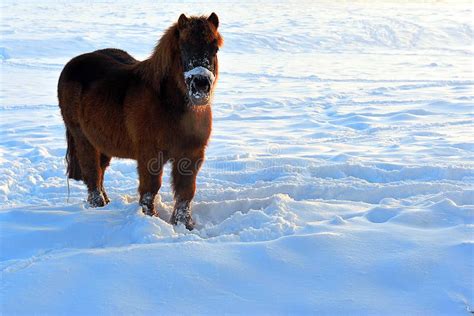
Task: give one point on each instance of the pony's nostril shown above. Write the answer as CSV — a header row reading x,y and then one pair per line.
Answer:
x,y
202,83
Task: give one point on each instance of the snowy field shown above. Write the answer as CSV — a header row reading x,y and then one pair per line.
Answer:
x,y
339,177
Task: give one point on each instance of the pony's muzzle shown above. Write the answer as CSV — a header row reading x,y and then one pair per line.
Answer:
x,y
199,83
199,90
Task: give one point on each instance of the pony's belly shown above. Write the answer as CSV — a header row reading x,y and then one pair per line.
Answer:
x,y
110,145
107,134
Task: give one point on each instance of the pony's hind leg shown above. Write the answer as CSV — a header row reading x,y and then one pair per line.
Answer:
x,y
104,163
90,163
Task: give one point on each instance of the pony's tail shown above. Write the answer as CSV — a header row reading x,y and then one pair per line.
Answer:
x,y
73,168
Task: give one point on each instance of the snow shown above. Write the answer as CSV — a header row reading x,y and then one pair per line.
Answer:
x,y
200,71
339,177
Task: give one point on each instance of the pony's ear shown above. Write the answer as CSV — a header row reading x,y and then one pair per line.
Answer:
x,y
182,21
214,19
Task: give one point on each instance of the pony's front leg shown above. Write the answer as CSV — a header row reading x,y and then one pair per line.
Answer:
x,y
184,175
150,171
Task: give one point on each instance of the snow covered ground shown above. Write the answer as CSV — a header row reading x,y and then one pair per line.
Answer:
x,y
339,178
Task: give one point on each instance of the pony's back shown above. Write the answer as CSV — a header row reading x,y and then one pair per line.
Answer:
x,y
118,55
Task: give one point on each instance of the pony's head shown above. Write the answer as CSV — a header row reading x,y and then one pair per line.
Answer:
x,y
199,41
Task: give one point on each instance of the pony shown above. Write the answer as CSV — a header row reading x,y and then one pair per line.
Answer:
x,y
153,111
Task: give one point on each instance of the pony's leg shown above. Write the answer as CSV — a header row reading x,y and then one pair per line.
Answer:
x,y
89,161
150,171
104,163
184,175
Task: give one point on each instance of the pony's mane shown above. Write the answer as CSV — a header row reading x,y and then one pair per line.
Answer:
x,y
159,64
162,61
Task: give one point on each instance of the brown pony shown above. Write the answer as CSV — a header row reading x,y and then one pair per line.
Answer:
x,y
153,111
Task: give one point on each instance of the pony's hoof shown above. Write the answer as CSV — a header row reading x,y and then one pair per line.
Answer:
x,y
183,216
106,198
146,202
96,199
149,210
190,224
